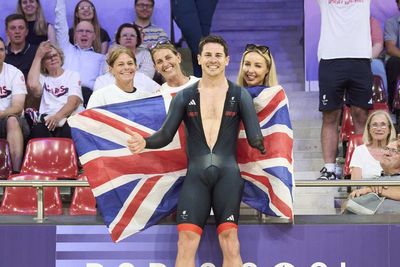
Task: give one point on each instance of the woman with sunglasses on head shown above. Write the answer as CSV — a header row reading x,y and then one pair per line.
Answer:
x,y
39,29
257,68
167,61
59,89
86,11
378,132
129,36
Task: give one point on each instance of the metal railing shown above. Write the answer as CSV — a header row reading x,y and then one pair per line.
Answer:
x,y
40,185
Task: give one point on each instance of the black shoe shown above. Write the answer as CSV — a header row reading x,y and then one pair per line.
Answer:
x,y
325,175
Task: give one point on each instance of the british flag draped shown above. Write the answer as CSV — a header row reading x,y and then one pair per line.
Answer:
x,y
134,192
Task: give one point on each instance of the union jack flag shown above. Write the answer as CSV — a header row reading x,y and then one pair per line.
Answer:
x,y
134,192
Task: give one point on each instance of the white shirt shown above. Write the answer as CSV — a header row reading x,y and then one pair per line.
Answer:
x,y
56,91
361,158
112,94
140,81
86,62
12,82
345,29
165,88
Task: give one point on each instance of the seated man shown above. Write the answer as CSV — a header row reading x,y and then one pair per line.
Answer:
x,y
12,98
391,167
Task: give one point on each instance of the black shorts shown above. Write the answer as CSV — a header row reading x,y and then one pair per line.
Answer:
x,y
22,123
350,76
219,188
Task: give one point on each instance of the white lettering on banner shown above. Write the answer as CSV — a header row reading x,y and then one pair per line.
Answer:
x,y
125,264
207,264
157,265
93,265
319,264
249,264
284,264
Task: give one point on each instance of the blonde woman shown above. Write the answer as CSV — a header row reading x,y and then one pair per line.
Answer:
x,y
378,132
59,89
39,29
257,67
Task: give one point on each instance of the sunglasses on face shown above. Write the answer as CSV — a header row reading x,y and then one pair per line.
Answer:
x,y
261,48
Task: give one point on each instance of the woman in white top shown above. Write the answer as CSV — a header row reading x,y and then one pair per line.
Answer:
x,y
167,61
59,89
129,36
122,65
378,132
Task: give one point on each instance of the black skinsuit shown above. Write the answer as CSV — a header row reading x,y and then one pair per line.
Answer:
x,y
213,177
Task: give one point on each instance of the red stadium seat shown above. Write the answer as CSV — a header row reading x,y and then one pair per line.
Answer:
x,y
354,141
396,97
51,157
347,128
378,90
23,200
5,159
83,201
379,106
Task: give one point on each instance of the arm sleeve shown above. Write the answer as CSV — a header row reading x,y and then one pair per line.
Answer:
x,y
250,121
356,158
61,24
171,124
391,30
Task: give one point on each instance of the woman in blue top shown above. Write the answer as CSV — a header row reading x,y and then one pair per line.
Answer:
x,y
257,68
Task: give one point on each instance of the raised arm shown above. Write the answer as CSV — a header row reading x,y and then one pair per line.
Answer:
x,y
61,24
250,121
33,81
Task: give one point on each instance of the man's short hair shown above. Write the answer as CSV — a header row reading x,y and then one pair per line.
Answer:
x,y
152,1
213,39
13,17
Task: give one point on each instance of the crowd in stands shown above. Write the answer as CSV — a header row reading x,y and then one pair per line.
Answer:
x,y
50,72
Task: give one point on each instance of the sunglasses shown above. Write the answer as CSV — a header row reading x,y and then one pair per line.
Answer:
x,y
159,43
261,48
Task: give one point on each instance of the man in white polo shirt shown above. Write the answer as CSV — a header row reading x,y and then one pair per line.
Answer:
x,y
344,52
12,99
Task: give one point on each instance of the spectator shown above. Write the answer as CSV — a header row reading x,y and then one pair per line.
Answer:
x,y
19,52
79,57
59,89
344,68
12,97
122,67
152,33
365,161
194,18
128,35
38,29
392,43
377,65
141,81
257,67
391,167
86,11
167,61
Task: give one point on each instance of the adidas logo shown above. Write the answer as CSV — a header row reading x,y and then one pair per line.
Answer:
x,y
192,103
231,218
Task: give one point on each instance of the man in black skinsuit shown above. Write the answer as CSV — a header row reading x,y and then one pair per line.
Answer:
x,y
211,110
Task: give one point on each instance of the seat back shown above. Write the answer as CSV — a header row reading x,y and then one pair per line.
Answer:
x,y
52,157
5,159
23,200
83,201
379,106
396,97
354,141
378,90
347,127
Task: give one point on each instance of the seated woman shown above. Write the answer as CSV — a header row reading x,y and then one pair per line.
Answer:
x,y
257,68
123,67
86,11
379,130
129,36
39,29
167,61
59,89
